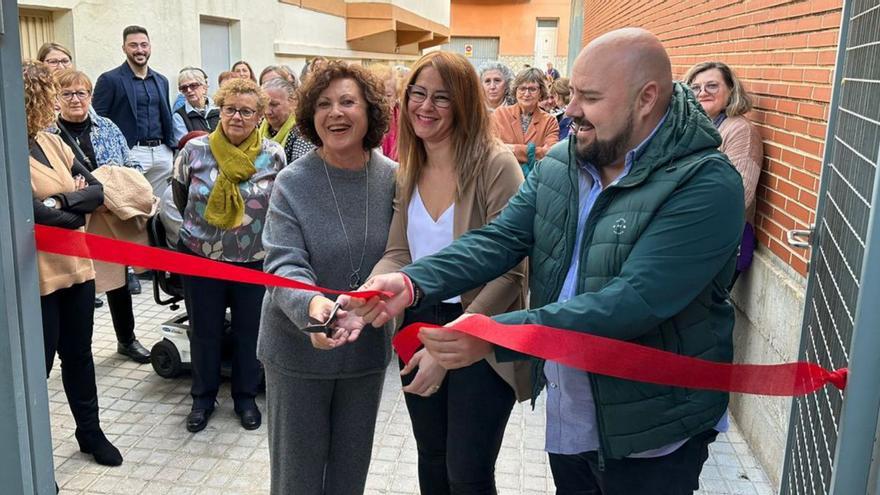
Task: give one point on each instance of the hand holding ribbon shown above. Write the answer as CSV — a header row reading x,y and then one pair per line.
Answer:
x,y
397,289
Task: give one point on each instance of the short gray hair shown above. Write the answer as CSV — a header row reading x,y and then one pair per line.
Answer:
x,y
531,75
282,84
505,71
192,74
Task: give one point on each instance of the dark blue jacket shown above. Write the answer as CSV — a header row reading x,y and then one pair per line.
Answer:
x,y
114,98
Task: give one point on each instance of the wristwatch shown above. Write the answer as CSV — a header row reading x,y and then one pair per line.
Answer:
x,y
50,202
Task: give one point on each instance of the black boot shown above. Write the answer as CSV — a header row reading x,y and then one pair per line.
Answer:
x,y
95,443
134,285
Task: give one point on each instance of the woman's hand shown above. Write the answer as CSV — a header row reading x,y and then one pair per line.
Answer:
x,y
79,183
346,327
429,377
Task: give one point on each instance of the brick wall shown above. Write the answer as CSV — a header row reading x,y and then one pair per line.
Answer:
x,y
784,51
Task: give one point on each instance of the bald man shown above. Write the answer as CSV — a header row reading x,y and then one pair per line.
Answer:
x,y
632,227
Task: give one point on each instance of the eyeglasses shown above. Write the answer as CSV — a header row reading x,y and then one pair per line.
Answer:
x,y
527,89
710,88
57,61
189,87
418,94
70,95
245,113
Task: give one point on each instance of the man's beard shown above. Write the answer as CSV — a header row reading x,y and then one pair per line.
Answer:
x,y
601,153
133,61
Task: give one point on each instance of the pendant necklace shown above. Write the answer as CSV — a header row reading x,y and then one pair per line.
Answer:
x,y
354,278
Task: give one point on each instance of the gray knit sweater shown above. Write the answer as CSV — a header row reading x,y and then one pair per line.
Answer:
x,y
304,241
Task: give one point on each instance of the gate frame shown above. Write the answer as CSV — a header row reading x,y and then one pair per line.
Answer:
x,y
26,463
852,463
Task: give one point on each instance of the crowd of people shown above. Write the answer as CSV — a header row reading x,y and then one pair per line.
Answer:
x,y
616,202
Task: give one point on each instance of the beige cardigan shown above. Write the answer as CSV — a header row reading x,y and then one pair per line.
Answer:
x,y
741,142
480,202
56,271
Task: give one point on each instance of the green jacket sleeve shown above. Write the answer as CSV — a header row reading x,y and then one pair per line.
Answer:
x,y
482,254
687,245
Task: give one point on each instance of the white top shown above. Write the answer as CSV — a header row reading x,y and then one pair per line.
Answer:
x,y
425,236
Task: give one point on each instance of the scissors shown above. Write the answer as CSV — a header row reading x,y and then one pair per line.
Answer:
x,y
325,327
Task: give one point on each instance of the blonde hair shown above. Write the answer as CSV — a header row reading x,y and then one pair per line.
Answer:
x,y
385,72
561,89
39,96
239,86
50,46
739,102
472,139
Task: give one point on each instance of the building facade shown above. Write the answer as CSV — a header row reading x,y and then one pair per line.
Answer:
x,y
516,32
784,51
213,34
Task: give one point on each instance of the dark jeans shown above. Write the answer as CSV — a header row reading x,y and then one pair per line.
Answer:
x,y
206,302
119,301
458,429
68,318
675,474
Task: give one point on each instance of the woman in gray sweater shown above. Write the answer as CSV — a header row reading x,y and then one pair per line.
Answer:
x,y
327,225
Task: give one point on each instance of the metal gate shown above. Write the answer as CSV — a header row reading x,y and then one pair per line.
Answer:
x,y
477,50
841,309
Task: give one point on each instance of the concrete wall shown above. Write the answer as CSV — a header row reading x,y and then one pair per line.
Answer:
x,y
769,300
264,32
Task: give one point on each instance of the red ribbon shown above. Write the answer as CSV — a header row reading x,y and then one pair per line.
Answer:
x,y
82,245
583,351
620,359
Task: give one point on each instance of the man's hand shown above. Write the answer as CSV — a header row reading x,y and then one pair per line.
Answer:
x,y
376,310
429,377
453,349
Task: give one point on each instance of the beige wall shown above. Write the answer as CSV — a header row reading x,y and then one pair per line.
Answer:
x,y
264,32
435,10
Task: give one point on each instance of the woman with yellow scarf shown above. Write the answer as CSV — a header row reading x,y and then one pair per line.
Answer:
x,y
221,184
279,123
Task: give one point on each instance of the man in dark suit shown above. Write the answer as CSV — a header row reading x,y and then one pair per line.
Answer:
x,y
135,98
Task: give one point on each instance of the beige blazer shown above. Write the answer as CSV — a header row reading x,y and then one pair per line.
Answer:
x,y
56,271
543,130
480,202
128,204
742,143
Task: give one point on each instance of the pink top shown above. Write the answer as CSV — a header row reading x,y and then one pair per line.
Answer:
x,y
389,141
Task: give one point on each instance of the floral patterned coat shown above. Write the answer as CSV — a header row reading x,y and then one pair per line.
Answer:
x,y
197,170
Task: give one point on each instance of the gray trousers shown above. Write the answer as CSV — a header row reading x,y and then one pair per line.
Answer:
x,y
320,432
156,163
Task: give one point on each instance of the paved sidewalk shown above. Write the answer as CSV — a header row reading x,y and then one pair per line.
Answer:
x,y
143,415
